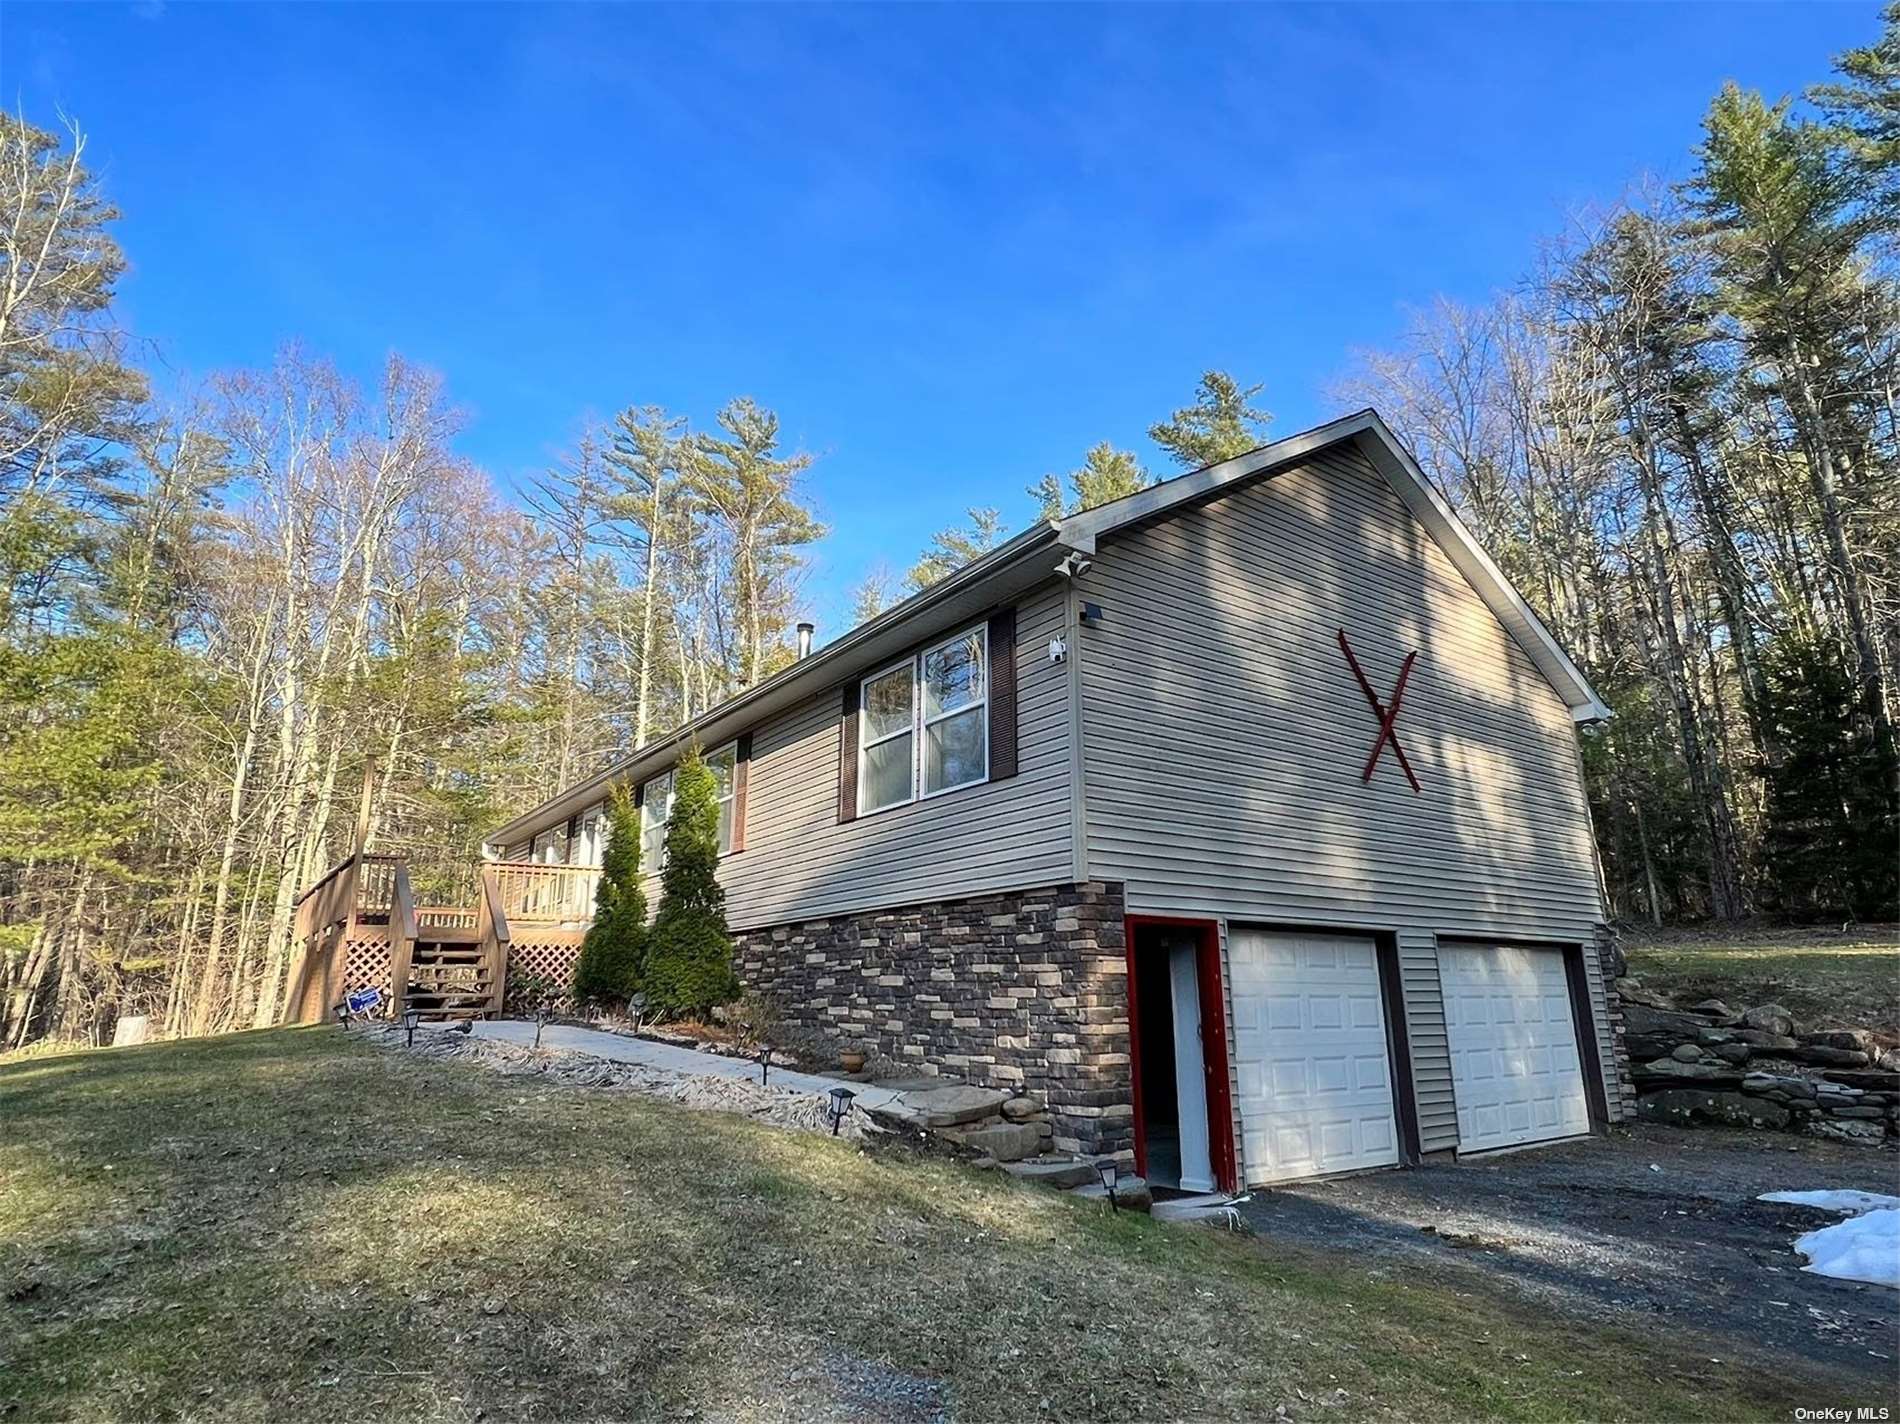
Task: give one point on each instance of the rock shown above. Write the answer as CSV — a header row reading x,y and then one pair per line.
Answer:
x,y
1850,1130
1831,1057
1053,1172
1005,1141
1765,1042
1890,1059
1021,1109
1639,1019
492,1306
1688,1105
1131,1194
1712,1036
1778,1083
954,1105
1633,994
1870,1113
1870,1080
1731,1052
1712,1076
1715,1009
1769,1018
1644,1046
1686,1053
1856,1040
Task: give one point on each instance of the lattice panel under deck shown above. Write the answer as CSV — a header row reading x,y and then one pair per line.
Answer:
x,y
365,966
541,960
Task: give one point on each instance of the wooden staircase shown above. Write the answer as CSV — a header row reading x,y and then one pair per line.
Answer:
x,y
445,961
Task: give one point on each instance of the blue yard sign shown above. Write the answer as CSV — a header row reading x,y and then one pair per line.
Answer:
x,y
363,1000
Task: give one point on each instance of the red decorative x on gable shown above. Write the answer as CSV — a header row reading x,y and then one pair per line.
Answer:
x,y
1387,715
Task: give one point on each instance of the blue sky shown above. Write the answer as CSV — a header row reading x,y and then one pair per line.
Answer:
x,y
951,247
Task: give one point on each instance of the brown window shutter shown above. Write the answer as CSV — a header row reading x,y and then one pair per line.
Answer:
x,y
848,755
741,785
639,795
1003,695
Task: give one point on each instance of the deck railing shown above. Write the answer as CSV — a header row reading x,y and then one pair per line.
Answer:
x,y
545,894
357,888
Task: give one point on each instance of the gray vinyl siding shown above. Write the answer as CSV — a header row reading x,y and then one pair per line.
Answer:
x,y
1431,1046
1613,1099
1224,738
801,863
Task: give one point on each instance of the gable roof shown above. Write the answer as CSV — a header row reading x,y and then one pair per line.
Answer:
x,y
1375,440
1041,552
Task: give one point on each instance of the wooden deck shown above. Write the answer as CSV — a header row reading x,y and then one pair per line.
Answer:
x,y
359,927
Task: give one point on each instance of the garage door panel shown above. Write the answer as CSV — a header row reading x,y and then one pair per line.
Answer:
x,y
1517,1072
1310,1055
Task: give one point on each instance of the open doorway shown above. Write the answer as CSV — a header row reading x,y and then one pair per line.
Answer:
x,y
1183,1132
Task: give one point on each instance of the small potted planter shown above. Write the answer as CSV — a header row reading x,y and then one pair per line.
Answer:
x,y
852,1060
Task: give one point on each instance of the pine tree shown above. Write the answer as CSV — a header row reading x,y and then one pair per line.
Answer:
x,y
689,955
1218,426
1106,474
610,962
951,549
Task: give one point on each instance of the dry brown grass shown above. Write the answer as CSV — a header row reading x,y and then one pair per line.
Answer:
x,y
1828,978
289,1225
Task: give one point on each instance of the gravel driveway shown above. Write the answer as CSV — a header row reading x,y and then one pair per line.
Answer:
x,y
1652,1221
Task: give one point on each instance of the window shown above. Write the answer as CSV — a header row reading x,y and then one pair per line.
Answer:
x,y
724,765
656,805
923,726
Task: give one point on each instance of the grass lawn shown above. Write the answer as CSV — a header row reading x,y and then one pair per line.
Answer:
x,y
1826,979
287,1224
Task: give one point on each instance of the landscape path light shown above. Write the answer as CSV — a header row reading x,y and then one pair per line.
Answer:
x,y
840,1106
1108,1172
410,1018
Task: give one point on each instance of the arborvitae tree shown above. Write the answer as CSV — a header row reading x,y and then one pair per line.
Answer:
x,y
611,956
689,954
1218,426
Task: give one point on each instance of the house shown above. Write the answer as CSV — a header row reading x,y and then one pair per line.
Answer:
x,y
1242,819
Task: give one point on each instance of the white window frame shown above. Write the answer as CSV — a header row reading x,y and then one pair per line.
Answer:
x,y
920,723
732,791
671,777
653,864
909,729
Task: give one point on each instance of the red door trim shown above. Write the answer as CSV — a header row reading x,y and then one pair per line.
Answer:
x,y
1220,1111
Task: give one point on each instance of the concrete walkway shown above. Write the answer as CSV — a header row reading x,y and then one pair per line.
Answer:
x,y
669,1058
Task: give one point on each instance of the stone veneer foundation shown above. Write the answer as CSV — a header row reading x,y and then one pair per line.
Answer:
x,y
1026,990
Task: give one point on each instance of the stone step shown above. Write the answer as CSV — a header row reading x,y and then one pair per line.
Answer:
x,y
955,1105
1005,1141
1052,1171
1131,1194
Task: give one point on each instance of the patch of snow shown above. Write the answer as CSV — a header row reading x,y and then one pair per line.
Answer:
x,y
1862,1248
1865,1247
1834,1201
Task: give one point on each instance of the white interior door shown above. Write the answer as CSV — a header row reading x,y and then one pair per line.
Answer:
x,y
1515,1066
1190,1077
1310,1055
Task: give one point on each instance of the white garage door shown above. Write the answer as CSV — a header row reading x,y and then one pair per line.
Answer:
x,y
1309,1055
1515,1067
